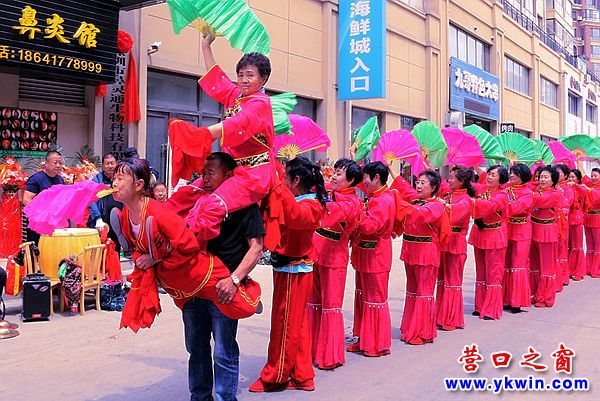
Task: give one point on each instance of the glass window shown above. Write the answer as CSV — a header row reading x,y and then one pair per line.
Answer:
x,y
573,105
468,48
590,113
516,76
595,33
548,92
596,51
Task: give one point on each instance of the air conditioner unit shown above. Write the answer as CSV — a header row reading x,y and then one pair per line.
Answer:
x,y
586,79
455,119
579,18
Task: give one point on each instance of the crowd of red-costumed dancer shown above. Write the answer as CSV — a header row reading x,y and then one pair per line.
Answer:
x,y
527,233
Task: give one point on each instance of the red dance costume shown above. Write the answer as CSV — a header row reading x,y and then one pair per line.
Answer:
x,y
289,353
544,246
568,196
247,135
330,255
489,238
592,232
449,297
183,271
372,260
517,290
577,267
421,256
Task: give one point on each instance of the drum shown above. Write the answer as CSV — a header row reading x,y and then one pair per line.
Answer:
x,y
62,244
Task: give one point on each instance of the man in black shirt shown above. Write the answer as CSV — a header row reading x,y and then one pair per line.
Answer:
x,y
49,176
239,245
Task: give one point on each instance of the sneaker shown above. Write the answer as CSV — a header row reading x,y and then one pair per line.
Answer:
x,y
260,386
308,385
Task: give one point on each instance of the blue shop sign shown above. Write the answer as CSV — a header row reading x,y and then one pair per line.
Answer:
x,y
361,45
474,90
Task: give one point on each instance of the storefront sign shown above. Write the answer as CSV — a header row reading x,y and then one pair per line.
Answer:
x,y
116,134
28,132
574,84
591,95
507,127
66,37
473,90
362,44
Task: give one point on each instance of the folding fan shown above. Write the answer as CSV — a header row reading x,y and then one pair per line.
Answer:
x,y
562,154
307,136
463,148
281,105
487,142
544,151
365,138
582,146
432,144
399,145
234,19
517,148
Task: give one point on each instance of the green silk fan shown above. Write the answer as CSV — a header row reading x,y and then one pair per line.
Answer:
x,y
365,138
518,149
281,105
489,145
233,19
581,146
432,143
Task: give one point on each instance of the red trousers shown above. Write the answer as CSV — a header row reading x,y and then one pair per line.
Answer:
x,y
449,298
489,270
592,257
576,256
517,290
289,342
372,321
418,320
562,274
544,260
325,318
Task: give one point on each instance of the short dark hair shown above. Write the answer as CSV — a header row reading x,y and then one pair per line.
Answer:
x,y
52,152
353,171
310,176
596,169
577,174
564,168
225,160
158,184
377,168
108,155
131,152
434,180
521,171
260,61
502,173
139,169
553,173
465,176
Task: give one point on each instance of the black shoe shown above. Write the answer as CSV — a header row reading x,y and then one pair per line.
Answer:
x,y
488,318
506,307
475,313
516,309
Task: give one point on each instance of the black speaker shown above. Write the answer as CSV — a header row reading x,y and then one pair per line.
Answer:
x,y
36,297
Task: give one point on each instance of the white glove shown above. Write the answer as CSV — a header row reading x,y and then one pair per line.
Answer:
x,y
100,224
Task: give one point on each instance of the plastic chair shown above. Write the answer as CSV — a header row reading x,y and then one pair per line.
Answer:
x,y
92,273
32,266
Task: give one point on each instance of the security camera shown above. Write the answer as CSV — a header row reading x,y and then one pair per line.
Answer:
x,y
154,47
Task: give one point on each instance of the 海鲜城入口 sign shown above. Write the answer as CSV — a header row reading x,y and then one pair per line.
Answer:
x,y
71,38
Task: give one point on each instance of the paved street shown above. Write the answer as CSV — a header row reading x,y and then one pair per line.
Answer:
x,y
78,358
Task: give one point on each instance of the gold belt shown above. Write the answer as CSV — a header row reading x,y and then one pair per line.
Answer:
x,y
491,226
456,229
542,221
517,220
418,238
593,212
364,244
253,161
329,234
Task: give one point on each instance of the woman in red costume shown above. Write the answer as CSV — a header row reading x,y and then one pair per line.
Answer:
x,y
289,361
372,259
568,197
577,267
592,226
246,133
489,238
545,237
449,297
421,256
517,290
330,254
165,250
